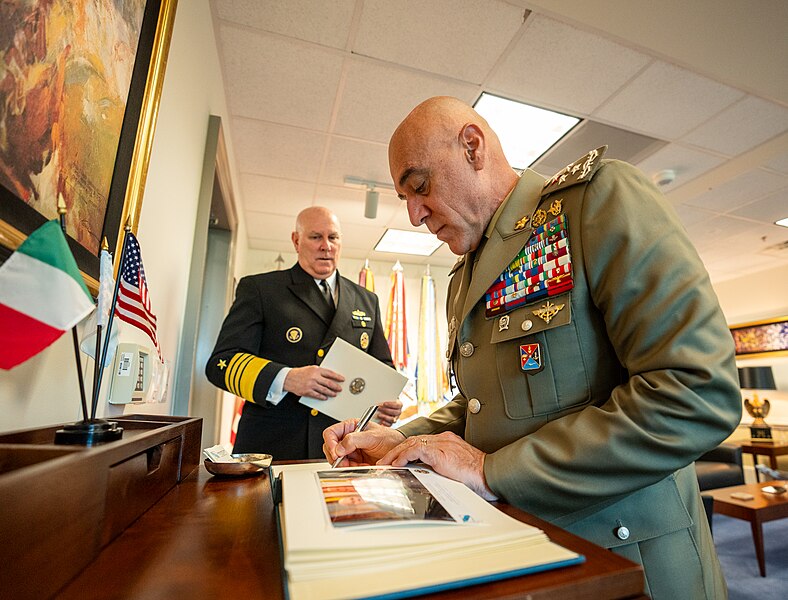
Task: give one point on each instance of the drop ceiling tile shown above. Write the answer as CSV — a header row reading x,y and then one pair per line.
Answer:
x,y
275,195
686,163
353,158
779,163
295,84
691,216
458,38
277,150
267,226
740,191
326,22
348,204
557,65
667,102
715,230
766,210
741,127
364,236
376,97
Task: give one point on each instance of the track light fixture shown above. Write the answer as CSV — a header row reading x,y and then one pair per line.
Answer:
x,y
372,197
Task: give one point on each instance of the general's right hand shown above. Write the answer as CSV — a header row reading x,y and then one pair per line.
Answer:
x,y
314,382
359,448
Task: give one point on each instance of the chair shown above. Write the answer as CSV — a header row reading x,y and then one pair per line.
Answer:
x,y
720,467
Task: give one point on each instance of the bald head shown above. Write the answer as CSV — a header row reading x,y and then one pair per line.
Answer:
x,y
448,164
318,241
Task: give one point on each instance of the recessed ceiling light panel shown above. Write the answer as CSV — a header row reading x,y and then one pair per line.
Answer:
x,y
526,132
399,241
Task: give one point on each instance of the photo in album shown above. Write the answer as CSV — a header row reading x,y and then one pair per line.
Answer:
x,y
367,496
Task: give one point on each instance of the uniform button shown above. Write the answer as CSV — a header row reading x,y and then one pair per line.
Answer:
x,y
474,405
466,349
313,412
321,352
622,533
527,324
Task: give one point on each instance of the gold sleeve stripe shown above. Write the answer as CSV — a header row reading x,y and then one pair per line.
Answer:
x,y
242,373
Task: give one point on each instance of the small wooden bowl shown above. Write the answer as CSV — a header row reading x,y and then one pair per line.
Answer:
x,y
244,465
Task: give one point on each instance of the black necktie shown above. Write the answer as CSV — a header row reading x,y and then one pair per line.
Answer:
x,y
327,292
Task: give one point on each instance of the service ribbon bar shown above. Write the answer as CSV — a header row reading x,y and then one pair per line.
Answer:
x,y
543,268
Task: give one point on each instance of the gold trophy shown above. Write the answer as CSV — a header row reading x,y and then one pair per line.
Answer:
x,y
758,409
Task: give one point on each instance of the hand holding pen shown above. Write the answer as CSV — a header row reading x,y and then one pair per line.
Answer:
x,y
362,423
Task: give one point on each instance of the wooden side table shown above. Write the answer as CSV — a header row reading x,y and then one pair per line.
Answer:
x,y
770,449
762,508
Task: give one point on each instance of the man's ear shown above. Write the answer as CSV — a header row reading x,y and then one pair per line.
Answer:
x,y
472,141
294,239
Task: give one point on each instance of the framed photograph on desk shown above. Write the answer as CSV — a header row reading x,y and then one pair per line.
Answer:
x,y
78,104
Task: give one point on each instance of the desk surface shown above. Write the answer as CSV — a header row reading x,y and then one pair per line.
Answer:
x,y
216,538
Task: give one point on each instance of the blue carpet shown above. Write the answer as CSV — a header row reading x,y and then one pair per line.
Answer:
x,y
733,540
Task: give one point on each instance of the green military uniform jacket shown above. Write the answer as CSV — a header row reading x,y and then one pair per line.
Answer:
x,y
280,319
630,377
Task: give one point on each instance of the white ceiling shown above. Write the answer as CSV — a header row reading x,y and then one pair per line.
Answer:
x,y
315,88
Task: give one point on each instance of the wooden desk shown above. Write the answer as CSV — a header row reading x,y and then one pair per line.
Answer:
x,y
762,508
779,447
217,538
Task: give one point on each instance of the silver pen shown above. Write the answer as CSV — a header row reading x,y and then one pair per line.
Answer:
x,y
362,422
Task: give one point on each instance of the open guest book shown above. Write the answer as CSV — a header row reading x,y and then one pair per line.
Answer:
x,y
387,532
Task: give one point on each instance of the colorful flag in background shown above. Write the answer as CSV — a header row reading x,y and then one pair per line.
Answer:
x,y
133,304
396,323
365,277
42,295
431,383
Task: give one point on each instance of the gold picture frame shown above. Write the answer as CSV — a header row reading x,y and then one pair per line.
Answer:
x,y
761,339
121,201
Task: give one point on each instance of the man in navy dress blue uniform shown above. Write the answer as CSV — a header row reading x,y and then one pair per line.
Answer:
x,y
276,334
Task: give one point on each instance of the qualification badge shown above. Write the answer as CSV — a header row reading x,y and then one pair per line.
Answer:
x,y
530,357
548,311
364,340
521,223
539,218
503,323
293,335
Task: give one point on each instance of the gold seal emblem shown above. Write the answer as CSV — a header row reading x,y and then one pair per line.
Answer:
x,y
293,335
364,340
357,385
540,216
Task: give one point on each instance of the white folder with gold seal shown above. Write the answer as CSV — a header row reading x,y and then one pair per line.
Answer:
x,y
367,381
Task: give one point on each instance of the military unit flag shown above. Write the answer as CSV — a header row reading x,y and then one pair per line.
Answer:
x,y
396,323
365,277
42,295
431,380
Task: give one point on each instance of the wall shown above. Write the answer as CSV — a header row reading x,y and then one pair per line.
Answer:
x,y
44,390
753,298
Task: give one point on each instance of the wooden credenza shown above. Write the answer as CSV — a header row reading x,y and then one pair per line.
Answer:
x,y
217,538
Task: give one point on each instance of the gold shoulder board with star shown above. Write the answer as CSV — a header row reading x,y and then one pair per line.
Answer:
x,y
580,170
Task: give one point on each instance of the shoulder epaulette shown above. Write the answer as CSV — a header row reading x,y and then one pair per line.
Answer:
x,y
577,172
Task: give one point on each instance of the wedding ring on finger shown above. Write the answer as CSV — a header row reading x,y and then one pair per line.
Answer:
x,y
424,442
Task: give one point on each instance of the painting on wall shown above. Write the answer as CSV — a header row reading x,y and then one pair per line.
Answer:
x,y
80,82
761,338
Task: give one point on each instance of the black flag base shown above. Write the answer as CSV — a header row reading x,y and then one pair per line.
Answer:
x,y
89,432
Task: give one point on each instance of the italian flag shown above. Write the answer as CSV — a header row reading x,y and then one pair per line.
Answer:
x,y
42,295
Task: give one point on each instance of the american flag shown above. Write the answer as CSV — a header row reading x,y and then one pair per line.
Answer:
x,y
133,305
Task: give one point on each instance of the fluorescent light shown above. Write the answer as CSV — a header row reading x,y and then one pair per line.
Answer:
x,y
782,222
400,241
526,132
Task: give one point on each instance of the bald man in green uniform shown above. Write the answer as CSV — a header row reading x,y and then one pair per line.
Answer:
x,y
593,361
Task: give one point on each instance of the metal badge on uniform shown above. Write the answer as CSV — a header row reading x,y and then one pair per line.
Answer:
x,y
360,318
357,385
547,311
364,340
503,323
530,357
293,335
